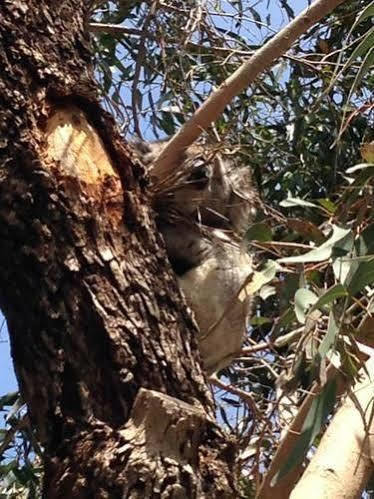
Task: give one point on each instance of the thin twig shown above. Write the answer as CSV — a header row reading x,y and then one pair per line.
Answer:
x,y
138,67
117,29
247,397
213,107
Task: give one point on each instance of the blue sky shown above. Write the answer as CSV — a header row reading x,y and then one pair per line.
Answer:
x,y
7,378
8,381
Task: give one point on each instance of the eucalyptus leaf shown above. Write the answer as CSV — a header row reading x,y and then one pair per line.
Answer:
x,y
15,408
320,408
262,277
291,202
330,337
363,276
361,50
266,291
344,265
304,298
367,12
365,66
336,291
321,253
259,232
360,166
328,205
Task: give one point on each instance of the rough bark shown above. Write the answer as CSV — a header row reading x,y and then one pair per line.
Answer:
x,y
102,341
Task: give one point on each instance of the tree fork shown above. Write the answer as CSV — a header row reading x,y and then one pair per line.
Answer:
x,y
102,341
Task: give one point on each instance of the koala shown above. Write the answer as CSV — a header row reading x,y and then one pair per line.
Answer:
x,y
213,290
203,217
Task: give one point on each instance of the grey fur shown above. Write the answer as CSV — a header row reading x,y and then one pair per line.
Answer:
x,y
203,217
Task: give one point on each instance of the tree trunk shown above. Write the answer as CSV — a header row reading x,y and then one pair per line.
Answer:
x,y
102,341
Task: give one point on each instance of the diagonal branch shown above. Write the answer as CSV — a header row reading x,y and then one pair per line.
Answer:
x,y
237,82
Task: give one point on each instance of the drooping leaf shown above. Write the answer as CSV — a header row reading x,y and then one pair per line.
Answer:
x,y
291,202
304,298
336,291
330,337
344,264
363,276
259,232
367,12
262,277
320,408
323,252
328,205
8,399
362,49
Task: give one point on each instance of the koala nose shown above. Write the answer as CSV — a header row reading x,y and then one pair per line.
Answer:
x,y
200,175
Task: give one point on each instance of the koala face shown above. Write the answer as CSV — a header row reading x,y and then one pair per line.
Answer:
x,y
211,188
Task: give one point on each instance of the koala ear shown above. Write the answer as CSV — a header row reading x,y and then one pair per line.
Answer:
x,y
147,152
140,146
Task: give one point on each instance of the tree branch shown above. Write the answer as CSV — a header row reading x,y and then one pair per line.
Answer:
x,y
236,83
344,459
115,29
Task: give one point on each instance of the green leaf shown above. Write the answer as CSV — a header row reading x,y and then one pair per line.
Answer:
x,y
343,264
15,408
361,50
366,174
367,12
304,298
8,399
262,277
357,272
366,64
256,16
290,202
328,205
331,294
365,245
320,408
260,321
266,291
323,252
363,276
330,337
259,232
285,321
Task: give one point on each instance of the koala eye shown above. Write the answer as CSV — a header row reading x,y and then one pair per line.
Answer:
x,y
199,176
